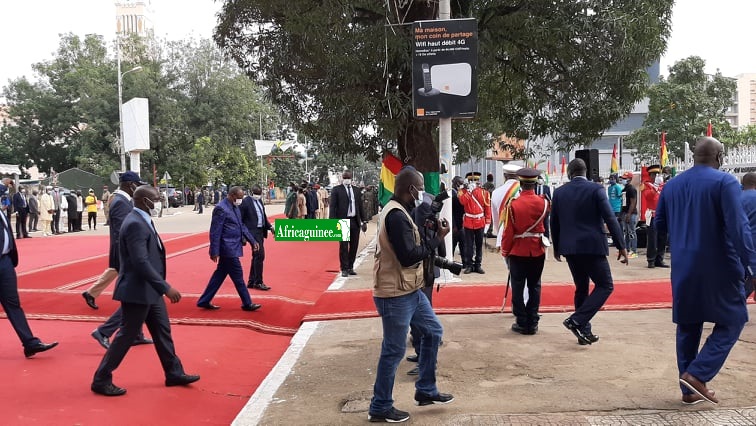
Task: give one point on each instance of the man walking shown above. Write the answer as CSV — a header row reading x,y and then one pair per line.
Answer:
x,y
140,289
579,211
346,203
398,278
256,220
477,204
522,245
120,207
712,252
105,198
227,234
9,286
748,199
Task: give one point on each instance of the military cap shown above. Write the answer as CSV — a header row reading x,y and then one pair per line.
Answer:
x,y
510,169
654,169
476,175
468,176
528,174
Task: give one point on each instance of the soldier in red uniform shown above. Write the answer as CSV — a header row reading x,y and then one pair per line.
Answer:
x,y
477,204
656,242
522,244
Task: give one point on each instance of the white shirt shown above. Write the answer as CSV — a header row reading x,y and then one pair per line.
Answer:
x,y
497,197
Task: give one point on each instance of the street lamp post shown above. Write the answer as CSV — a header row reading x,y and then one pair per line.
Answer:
x,y
122,147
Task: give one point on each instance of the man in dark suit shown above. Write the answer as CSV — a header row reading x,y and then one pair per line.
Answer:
x,y
73,215
458,216
120,207
256,220
346,203
9,286
227,235
21,208
140,289
579,210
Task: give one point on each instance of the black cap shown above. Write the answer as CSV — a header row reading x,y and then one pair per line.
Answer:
x,y
527,174
130,176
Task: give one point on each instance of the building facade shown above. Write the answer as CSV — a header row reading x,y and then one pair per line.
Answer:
x,y
133,17
743,112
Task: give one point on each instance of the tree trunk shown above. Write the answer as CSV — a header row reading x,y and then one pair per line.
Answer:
x,y
417,146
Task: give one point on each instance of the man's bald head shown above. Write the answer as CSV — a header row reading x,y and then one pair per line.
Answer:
x,y
408,178
749,180
144,193
708,152
576,167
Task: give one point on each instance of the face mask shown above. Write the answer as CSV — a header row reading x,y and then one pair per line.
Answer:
x,y
238,201
347,182
419,198
153,210
658,180
472,185
256,197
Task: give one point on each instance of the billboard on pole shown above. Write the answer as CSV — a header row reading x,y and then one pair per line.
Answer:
x,y
136,125
444,69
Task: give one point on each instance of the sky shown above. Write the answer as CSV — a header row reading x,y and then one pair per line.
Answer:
x,y
721,32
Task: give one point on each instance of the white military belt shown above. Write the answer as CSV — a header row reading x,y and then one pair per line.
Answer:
x,y
474,216
529,235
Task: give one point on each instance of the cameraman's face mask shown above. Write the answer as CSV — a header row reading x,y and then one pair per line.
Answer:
x,y
418,197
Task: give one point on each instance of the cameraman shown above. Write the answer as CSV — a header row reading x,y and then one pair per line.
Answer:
x,y
427,223
398,275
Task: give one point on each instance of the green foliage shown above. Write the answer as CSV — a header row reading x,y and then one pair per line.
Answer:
x,y
682,106
203,112
568,70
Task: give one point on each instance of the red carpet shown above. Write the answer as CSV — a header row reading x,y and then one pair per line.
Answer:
x,y
53,387
487,298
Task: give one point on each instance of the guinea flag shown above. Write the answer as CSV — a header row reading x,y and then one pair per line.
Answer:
x,y
390,167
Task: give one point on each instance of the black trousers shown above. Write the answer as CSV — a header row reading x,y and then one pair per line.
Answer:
x,y
348,249
258,258
21,230
458,237
155,316
113,323
586,268
33,220
656,245
92,219
526,271
473,247
55,225
12,304
72,222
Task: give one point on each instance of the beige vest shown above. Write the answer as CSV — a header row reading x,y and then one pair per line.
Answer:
x,y
390,279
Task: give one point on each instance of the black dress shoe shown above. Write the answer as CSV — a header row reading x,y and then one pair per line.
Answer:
x,y
251,308
101,339
108,390
651,265
209,306
414,372
592,338
39,347
661,265
344,273
479,270
351,272
182,380
467,270
575,329
517,328
260,286
142,341
412,358
90,300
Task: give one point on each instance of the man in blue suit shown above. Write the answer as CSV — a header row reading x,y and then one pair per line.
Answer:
x,y
21,208
227,235
579,211
748,198
712,254
256,220
140,289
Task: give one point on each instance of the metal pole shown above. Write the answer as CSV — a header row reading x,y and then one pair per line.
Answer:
x,y
445,149
121,147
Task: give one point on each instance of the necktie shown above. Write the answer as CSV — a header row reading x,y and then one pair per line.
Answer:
x,y
160,243
5,238
350,211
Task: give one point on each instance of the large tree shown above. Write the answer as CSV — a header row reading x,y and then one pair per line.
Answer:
x,y
682,105
342,69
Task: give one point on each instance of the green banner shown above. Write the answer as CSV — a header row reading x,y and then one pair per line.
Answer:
x,y
312,229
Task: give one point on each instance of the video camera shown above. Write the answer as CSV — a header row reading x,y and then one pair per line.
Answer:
x,y
431,223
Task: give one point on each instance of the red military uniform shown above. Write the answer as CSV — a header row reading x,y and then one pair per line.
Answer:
x,y
523,212
477,205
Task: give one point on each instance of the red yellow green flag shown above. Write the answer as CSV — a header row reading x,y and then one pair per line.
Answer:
x,y
390,167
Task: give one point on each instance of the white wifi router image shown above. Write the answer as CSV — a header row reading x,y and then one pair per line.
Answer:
x,y
452,79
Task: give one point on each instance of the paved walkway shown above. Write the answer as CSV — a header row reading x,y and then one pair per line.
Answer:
x,y
501,378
